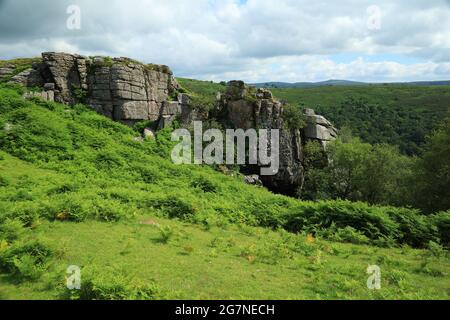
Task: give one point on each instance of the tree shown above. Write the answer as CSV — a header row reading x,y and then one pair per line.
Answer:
x,y
358,171
433,171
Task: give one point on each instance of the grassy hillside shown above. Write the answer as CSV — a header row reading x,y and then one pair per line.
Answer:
x,y
78,189
207,88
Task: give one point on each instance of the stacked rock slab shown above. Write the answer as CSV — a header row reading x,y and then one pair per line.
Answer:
x,y
318,128
119,88
248,108
6,71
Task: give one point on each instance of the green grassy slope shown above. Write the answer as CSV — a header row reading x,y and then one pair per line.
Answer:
x,y
207,88
77,189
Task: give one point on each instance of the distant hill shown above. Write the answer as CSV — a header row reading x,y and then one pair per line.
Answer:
x,y
400,114
336,83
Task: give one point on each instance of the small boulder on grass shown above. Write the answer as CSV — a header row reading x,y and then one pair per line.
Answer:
x,y
149,134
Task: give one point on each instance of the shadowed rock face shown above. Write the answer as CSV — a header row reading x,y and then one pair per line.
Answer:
x,y
128,91
250,108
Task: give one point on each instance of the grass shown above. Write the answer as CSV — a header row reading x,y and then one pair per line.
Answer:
x,y
76,189
205,88
223,272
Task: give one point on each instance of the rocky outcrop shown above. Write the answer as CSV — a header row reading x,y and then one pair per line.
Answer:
x,y
119,88
7,71
253,180
29,78
247,108
129,91
318,128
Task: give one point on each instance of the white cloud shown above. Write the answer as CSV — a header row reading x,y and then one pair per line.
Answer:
x,y
256,40
317,68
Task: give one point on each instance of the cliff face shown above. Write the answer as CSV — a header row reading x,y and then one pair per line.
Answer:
x,y
119,88
249,108
128,91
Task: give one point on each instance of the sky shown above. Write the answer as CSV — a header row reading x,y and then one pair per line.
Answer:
x,y
250,40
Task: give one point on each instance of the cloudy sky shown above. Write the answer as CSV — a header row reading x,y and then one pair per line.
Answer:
x,y
252,40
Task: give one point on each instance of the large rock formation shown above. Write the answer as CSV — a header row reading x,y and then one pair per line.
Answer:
x,y
129,91
120,88
250,108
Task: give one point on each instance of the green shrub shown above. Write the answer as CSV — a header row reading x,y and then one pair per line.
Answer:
x,y
415,229
79,94
110,211
4,182
148,175
348,234
442,222
141,125
11,230
22,195
10,99
108,160
204,184
25,212
36,135
166,233
99,124
26,260
68,207
293,117
107,283
202,104
374,222
436,250
397,278
173,207
64,188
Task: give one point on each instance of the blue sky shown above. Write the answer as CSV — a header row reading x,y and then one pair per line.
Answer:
x,y
252,40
